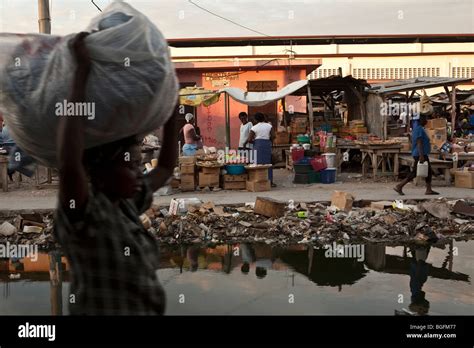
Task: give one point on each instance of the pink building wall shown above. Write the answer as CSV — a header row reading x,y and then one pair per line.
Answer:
x,y
211,120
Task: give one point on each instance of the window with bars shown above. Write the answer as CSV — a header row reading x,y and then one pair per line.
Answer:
x,y
401,73
462,72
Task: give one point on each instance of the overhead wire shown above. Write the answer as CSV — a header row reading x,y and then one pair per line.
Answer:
x,y
227,19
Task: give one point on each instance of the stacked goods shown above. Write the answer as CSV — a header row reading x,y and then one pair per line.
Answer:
x,y
307,170
436,131
299,125
405,142
327,142
357,127
187,173
258,178
131,88
234,182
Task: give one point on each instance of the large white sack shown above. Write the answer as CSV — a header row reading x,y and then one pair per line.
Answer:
x,y
132,82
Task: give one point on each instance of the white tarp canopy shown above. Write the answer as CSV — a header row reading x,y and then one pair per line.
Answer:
x,y
262,98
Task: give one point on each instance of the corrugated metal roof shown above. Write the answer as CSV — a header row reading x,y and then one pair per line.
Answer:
x,y
414,84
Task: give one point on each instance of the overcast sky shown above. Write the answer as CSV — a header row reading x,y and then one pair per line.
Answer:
x,y
182,19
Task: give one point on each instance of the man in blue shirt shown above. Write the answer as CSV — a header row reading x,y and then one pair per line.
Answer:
x,y
421,149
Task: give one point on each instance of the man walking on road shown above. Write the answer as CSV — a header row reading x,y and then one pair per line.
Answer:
x,y
421,149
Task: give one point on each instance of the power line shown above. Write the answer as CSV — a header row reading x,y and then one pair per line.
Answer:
x,y
226,19
96,5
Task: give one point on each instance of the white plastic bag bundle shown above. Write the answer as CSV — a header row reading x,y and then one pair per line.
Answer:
x,y
132,87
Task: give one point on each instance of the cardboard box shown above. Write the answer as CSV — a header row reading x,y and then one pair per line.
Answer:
x,y
258,186
438,136
436,123
257,175
187,159
211,180
282,138
464,179
235,178
234,185
187,168
211,170
342,200
269,207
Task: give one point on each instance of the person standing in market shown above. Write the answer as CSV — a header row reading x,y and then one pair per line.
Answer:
x,y
421,149
192,141
262,135
245,128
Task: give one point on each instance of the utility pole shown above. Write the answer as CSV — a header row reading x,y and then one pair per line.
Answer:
x,y
44,19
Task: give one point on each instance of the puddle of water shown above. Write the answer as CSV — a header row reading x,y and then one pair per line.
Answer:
x,y
258,279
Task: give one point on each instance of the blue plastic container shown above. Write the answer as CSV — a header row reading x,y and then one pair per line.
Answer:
x,y
235,169
328,176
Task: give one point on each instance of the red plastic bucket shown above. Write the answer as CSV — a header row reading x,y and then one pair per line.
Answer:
x,y
297,154
319,163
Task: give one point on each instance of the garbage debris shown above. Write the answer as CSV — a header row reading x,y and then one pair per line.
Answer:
x,y
439,209
269,207
463,208
381,205
342,200
7,229
196,222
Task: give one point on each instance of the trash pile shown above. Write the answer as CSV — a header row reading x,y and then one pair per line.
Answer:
x,y
190,221
315,223
28,229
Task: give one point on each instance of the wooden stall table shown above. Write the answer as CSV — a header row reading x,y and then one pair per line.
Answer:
x,y
461,156
435,164
4,172
339,148
378,154
48,183
288,160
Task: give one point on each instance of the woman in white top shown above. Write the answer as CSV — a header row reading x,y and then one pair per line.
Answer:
x,y
261,135
244,131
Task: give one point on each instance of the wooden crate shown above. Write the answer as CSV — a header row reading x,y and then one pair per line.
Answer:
x,y
234,185
258,186
211,170
211,180
187,159
234,178
258,175
187,168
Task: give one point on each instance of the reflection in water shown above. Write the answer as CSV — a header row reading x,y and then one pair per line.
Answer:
x,y
418,276
258,269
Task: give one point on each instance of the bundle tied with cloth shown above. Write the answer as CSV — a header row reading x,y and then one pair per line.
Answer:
x,y
131,90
